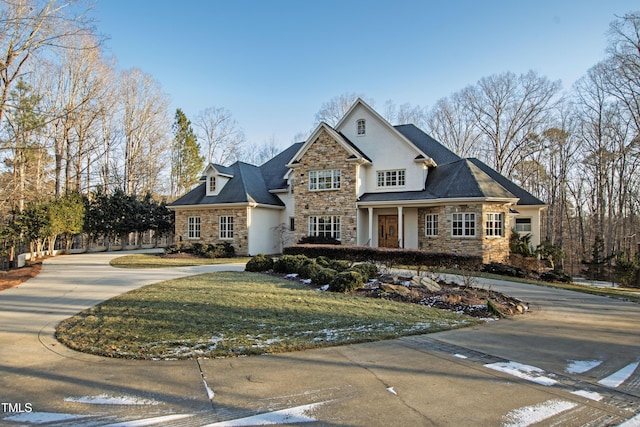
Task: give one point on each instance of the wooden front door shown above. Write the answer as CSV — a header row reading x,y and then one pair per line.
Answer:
x,y
388,231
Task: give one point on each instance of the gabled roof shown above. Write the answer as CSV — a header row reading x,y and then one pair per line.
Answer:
x,y
360,102
246,186
456,180
275,170
354,152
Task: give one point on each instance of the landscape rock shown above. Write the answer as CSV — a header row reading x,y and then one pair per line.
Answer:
x,y
425,282
401,290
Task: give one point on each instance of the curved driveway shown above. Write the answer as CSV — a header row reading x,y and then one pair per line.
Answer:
x,y
573,360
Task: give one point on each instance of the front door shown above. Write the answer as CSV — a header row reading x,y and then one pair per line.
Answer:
x,y
388,231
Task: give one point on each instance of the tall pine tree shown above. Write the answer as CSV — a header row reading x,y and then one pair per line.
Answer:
x,y
186,161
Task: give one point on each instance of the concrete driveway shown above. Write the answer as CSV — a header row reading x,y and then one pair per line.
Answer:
x,y
573,360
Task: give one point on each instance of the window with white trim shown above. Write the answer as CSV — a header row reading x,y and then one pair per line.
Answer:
x,y
212,184
324,180
463,225
523,225
391,178
325,226
431,225
225,224
193,227
362,126
494,224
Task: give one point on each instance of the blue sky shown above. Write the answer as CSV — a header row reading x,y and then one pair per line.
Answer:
x,y
273,63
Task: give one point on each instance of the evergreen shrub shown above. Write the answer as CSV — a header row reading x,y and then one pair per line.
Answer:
x,y
259,263
346,281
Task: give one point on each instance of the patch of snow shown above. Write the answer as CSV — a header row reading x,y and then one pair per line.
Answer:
x,y
529,415
325,287
293,415
589,394
526,372
150,421
291,276
460,356
392,391
42,417
306,281
580,366
631,422
614,380
105,399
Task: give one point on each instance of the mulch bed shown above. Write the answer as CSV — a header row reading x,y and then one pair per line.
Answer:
x,y
16,276
473,301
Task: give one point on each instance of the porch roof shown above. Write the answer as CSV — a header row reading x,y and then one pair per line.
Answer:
x,y
461,179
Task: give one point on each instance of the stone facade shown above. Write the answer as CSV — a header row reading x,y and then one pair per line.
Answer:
x,y
491,248
326,154
209,227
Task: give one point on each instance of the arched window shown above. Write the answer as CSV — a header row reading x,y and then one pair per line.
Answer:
x,y
362,128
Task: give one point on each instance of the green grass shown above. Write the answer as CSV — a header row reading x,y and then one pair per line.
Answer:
x,y
156,261
231,313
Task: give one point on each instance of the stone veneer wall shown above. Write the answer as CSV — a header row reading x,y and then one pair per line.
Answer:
x,y
326,154
496,249
490,248
209,229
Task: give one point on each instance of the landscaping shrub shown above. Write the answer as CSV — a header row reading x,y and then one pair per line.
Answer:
x,y
309,270
197,249
339,265
324,276
367,270
346,281
555,276
504,270
289,264
216,250
220,250
389,256
259,263
324,261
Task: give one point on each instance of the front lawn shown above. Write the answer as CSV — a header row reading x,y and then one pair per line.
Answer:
x,y
160,261
231,314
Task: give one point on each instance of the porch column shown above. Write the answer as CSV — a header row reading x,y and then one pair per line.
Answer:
x,y
400,228
370,241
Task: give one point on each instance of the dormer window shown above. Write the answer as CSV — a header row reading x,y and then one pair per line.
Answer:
x,y
362,126
212,182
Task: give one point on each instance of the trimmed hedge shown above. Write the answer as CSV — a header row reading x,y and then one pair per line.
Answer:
x,y
388,255
211,250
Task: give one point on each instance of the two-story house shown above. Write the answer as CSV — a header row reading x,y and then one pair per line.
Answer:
x,y
362,182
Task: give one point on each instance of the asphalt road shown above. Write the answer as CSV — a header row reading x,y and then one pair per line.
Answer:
x,y
572,360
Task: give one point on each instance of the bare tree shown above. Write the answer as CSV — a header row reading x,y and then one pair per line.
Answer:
x,y
259,154
451,123
333,110
223,138
30,26
79,88
623,70
145,128
508,109
405,114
